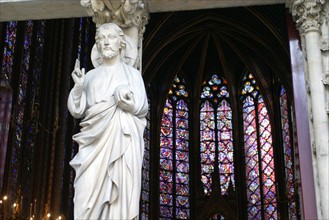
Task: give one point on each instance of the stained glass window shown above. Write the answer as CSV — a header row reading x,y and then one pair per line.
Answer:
x,y
288,154
24,127
8,53
217,217
145,197
20,107
216,138
6,75
33,87
174,154
259,158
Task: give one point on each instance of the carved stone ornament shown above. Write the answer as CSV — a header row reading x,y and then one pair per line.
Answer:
x,y
308,86
125,13
324,44
325,78
306,14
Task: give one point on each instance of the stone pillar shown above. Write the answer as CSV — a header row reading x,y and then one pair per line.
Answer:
x,y
325,50
311,17
130,15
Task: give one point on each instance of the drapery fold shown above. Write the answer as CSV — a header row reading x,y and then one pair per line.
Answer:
x,y
110,142
111,146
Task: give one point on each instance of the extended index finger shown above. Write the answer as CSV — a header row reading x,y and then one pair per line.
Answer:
x,y
77,64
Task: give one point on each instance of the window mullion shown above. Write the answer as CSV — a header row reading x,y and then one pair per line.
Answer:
x,y
216,168
174,156
259,157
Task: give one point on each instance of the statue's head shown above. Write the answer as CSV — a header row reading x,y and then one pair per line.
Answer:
x,y
110,40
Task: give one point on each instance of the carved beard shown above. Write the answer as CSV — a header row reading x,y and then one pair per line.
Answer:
x,y
109,53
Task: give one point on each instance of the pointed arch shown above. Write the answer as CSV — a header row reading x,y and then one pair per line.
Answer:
x,y
216,136
259,155
174,154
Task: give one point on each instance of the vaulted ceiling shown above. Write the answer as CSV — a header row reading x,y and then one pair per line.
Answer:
x,y
223,41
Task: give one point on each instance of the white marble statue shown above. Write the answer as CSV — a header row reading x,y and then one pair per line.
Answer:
x,y
112,102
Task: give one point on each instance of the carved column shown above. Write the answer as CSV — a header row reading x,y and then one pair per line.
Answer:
x,y
130,15
311,17
325,50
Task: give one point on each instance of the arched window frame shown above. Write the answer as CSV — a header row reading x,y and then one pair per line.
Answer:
x,y
240,175
216,151
260,170
174,179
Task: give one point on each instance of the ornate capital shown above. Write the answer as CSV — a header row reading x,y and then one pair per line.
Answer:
x,y
125,13
306,14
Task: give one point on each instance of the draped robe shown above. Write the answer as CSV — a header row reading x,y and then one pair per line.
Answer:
x,y
111,146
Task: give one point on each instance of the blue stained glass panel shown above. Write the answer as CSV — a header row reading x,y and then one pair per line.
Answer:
x,y
166,187
182,190
166,212
166,199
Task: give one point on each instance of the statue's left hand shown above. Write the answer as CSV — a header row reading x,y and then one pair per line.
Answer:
x,y
124,98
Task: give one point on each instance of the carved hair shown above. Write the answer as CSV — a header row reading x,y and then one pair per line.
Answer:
x,y
119,32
